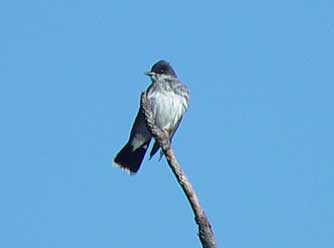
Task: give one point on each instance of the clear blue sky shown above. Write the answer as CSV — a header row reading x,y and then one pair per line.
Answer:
x,y
256,143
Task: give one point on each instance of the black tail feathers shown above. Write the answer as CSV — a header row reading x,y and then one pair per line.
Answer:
x,y
129,159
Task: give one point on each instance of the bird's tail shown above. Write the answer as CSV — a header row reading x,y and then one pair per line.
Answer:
x,y
128,159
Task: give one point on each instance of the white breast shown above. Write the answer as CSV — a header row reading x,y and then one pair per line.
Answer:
x,y
167,108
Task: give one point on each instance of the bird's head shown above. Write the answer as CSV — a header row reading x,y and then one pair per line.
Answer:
x,y
161,69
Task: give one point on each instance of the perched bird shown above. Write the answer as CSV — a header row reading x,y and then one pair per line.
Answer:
x,y
168,100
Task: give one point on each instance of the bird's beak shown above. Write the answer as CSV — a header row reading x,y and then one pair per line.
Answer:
x,y
149,73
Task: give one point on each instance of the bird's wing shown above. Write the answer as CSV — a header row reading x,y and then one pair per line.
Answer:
x,y
139,133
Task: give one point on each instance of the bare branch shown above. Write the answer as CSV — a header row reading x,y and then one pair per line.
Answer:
x,y
205,232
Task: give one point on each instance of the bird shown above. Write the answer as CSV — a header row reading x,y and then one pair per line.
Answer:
x,y
168,100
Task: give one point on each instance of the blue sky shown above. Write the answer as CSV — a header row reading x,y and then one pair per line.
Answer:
x,y
256,143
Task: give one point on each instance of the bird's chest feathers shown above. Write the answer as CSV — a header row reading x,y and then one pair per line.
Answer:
x,y
167,107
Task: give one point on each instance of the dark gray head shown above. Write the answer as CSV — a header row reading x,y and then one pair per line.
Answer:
x,y
162,67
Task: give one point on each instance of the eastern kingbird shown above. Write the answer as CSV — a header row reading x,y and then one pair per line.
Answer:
x,y
168,99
